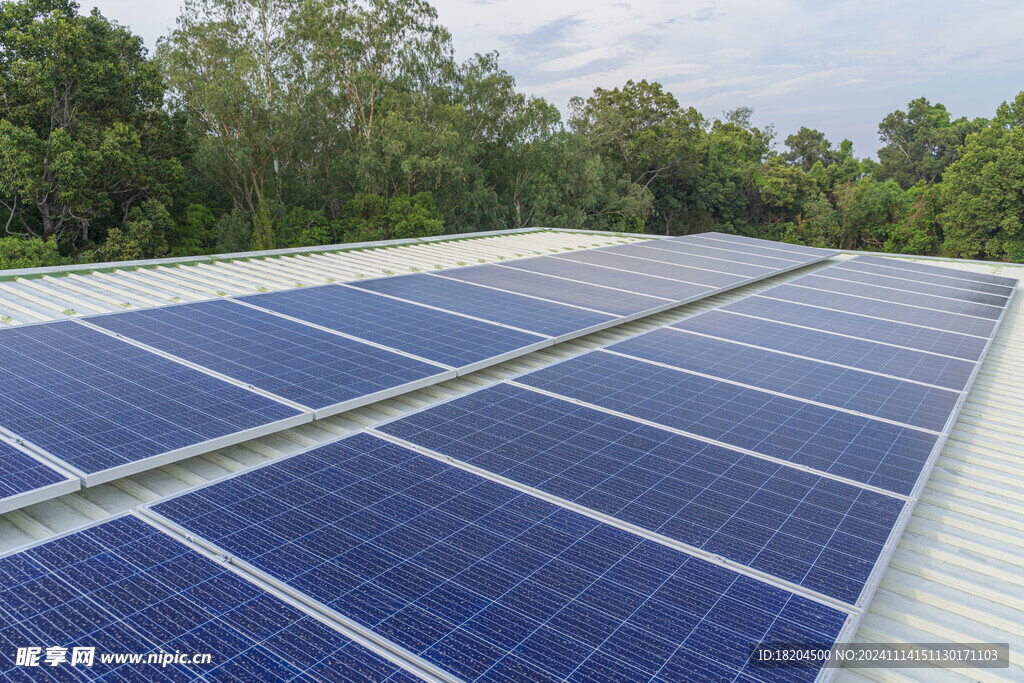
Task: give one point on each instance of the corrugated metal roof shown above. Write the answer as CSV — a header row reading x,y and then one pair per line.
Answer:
x,y
956,575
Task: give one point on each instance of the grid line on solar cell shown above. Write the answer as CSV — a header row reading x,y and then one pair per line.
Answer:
x,y
942,371
631,264
292,360
908,336
904,285
535,315
886,310
896,272
643,251
850,389
729,253
874,293
96,403
794,249
903,264
596,298
818,533
856,448
124,587
20,473
636,283
425,332
487,582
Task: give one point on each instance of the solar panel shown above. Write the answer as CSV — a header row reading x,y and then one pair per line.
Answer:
x,y
911,266
531,314
737,240
864,327
864,392
898,296
25,479
913,276
318,369
123,587
107,409
778,261
675,257
819,533
764,248
614,301
623,262
885,310
897,282
877,453
453,340
486,582
943,371
599,275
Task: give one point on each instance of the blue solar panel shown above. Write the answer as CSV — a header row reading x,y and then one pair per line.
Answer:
x,y
943,371
872,329
425,332
770,260
795,250
607,277
850,446
886,310
535,315
899,296
298,362
645,250
596,298
98,403
894,270
903,264
21,474
819,533
124,587
489,583
896,281
706,275
864,392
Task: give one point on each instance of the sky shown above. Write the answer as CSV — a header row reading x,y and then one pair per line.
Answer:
x,y
837,66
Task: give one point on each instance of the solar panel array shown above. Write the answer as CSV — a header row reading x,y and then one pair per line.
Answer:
x,y
647,511
114,394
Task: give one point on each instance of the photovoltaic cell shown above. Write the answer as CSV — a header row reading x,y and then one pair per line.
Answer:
x,y
899,296
850,446
98,403
486,582
897,282
672,256
513,280
295,361
943,371
124,587
709,276
598,275
950,322
912,275
766,250
873,329
780,246
906,265
816,532
428,333
726,251
864,392
535,315
22,474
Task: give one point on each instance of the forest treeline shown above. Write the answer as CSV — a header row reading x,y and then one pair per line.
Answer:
x,y
274,123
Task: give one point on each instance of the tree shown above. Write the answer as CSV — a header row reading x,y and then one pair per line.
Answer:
x,y
143,235
983,191
808,146
83,135
920,143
